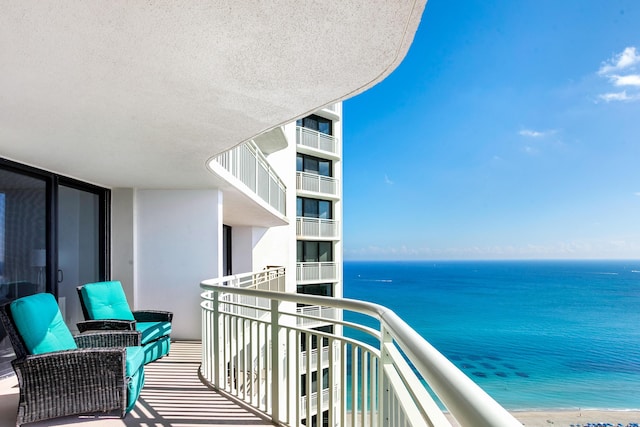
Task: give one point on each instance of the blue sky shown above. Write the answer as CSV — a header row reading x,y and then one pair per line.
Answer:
x,y
510,131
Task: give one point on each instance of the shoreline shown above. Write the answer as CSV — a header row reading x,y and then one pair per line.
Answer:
x,y
573,417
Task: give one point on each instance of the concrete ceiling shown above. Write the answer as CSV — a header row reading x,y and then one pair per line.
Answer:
x,y
142,94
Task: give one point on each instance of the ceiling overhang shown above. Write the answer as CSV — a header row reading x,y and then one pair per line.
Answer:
x,y
142,94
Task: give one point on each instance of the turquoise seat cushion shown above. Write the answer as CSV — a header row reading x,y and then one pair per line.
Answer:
x,y
156,349
106,300
135,359
135,375
39,322
151,331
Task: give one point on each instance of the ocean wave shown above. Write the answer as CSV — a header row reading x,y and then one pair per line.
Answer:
x,y
607,273
635,271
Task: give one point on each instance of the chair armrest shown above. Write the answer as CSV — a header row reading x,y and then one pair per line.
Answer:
x,y
152,316
106,325
97,339
54,381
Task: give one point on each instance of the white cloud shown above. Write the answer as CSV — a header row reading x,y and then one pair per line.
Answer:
x,y
535,133
618,96
637,193
625,59
531,133
630,80
613,69
387,180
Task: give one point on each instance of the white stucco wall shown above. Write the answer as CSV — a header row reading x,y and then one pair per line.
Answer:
x,y
122,239
178,243
241,249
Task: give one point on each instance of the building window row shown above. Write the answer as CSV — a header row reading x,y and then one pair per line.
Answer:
x,y
312,164
320,289
313,208
316,123
311,251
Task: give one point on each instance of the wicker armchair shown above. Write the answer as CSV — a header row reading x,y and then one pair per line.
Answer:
x,y
97,372
105,307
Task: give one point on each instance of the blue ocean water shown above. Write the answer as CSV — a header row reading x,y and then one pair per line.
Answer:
x,y
533,334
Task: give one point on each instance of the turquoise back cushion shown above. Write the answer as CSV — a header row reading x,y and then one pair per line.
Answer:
x,y
106,300
39,322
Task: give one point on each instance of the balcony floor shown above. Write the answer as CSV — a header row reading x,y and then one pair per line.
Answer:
x,y
172,396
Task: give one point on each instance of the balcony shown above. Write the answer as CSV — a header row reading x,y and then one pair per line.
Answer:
x,y
316,272
386,378
173,395
246,170
316,142
319,185
317,228
255,366
313,316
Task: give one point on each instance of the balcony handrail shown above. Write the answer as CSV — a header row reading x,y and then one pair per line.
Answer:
x,y
316,271
464,399
248,164
315,183
317,140
317,227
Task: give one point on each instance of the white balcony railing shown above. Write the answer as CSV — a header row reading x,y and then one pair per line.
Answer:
x,y
318,141
313,316
247,163
314,272
252,352
317,228
324,354
315,183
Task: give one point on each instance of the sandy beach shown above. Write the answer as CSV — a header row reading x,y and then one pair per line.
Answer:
x,y
581,417
574,418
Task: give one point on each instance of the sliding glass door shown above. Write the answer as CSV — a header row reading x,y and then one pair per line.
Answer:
x,y
53,238
79,251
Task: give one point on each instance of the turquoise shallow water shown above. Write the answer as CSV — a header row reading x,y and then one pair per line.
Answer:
x,y
534,335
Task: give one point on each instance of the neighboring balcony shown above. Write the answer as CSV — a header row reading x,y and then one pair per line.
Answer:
x,y
380,372
248,171
325,186
317,228
321,143
313,316
313,272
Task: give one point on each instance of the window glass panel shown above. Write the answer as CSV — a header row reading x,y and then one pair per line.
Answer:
x,y
311,251
23,240
321,289
324,209
299,252
325,252
324,126
311,165
324,168
310,123
299,211
316,123
299,161
310,208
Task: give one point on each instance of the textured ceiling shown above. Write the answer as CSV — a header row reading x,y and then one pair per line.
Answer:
x,y
143,93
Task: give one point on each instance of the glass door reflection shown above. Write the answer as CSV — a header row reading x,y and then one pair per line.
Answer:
x,y
23,238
